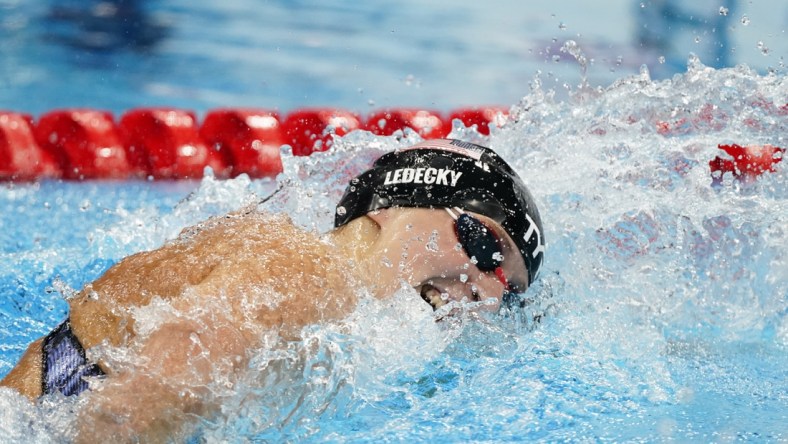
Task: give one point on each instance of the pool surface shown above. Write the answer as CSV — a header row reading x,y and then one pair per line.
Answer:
x,y
664,295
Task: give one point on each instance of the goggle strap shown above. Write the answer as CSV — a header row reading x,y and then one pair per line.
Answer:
x,y
451,212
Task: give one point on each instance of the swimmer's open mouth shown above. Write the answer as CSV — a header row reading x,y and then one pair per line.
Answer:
x,y
432,296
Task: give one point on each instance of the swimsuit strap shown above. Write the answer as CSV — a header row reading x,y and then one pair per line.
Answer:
x,y
64,363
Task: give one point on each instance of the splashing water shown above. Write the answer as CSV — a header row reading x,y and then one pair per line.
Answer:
x,y
663,303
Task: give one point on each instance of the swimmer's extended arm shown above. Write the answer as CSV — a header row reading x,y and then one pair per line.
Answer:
x,y
180,367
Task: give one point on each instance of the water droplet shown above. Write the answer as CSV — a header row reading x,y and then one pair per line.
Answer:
x,y
341,210
562,26
661,59
463,278
556,58
65,290
697,39
432,243
84,206
745,20
723,10
645,75
763,48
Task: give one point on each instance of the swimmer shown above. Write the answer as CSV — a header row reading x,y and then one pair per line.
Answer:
x,y
448,218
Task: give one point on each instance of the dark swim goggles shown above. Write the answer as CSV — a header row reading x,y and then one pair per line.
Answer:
x,y
480,243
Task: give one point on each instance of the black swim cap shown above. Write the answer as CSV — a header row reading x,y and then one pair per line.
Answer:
x,y
450,173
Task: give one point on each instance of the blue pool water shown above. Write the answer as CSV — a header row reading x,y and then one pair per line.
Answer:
x,y
664,298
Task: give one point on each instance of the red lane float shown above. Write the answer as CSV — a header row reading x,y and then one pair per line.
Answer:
x,y
20,156
170,143
427,123
165,143
312,129
747,163
84,142
248,138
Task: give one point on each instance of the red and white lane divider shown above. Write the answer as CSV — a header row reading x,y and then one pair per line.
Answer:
x,y
169,143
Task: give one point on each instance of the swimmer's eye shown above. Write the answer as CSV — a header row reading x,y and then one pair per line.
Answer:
x,y
479,241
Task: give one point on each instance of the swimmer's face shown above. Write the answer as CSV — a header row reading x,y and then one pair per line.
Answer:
x,y
422,247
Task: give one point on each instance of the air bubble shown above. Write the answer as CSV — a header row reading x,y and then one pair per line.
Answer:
x,y
745,20
341,210
723,10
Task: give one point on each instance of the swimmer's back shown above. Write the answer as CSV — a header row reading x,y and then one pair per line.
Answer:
x,y
228,255
257,271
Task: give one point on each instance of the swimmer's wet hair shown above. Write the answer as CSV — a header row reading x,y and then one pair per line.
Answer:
x,y
450,173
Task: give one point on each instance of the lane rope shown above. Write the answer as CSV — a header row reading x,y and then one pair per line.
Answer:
x,y
172,143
